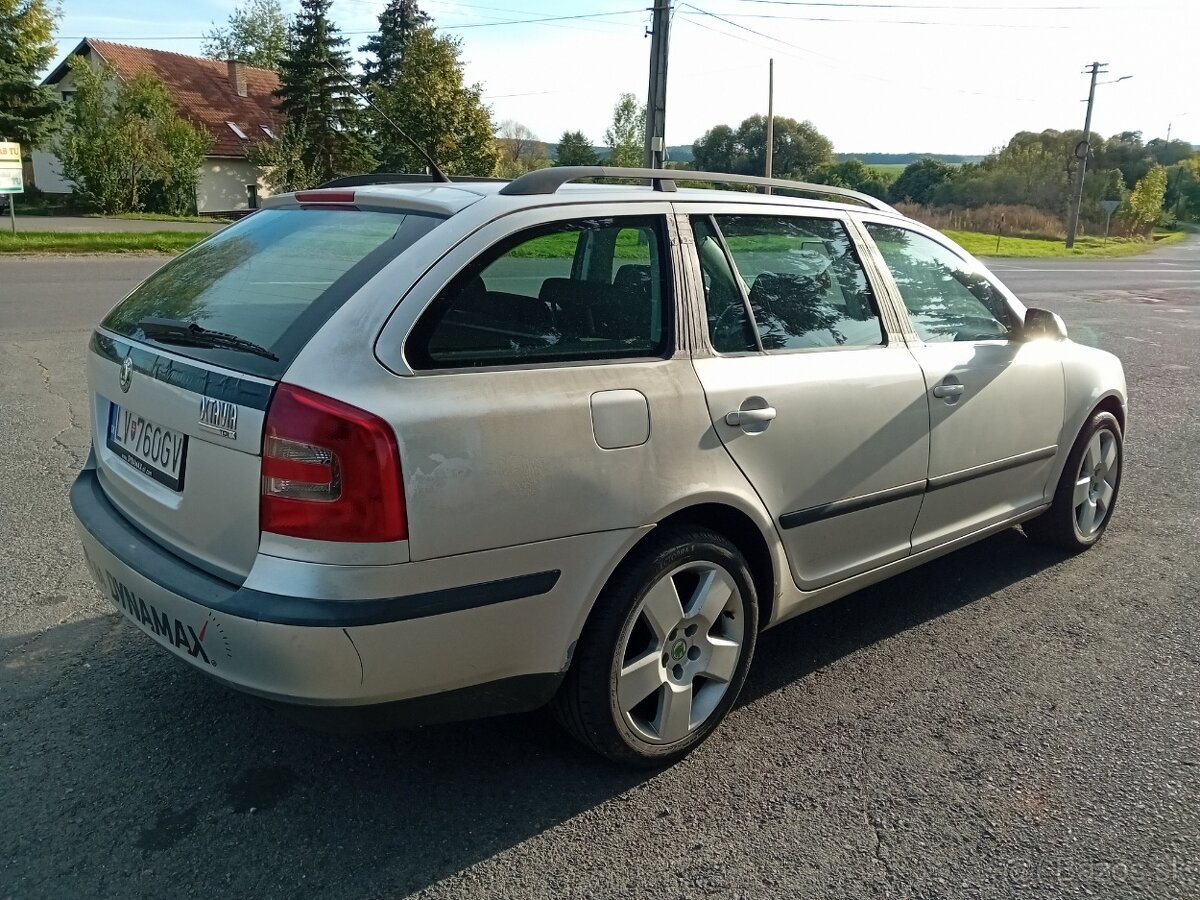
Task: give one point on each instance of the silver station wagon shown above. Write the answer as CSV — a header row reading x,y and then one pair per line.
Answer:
x,y
397,451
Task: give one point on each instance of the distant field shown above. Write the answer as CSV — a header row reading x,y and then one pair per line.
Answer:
x,y
887,168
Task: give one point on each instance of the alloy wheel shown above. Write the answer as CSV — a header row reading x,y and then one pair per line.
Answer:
x,y
679,652
1096,482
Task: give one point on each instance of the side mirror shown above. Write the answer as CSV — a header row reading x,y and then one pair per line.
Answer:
x,y
1041,323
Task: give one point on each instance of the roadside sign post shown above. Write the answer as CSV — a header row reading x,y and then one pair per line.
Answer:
x,y
12,180
1110,207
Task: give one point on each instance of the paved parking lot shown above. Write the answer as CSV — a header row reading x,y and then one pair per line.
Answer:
x,y
1005,722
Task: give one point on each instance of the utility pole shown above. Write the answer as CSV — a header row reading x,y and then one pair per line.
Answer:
x,y
1081,153
656,97
770,118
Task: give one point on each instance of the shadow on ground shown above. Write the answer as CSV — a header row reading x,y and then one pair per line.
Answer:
x,y
126,774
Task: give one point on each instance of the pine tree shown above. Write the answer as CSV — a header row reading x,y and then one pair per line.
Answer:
x,y
398,22
316,96
574,149
28,112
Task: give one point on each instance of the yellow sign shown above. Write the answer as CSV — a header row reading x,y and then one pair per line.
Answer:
x,y
10,153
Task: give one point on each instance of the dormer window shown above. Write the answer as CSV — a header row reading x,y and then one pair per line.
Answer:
x,y
241,134
266,129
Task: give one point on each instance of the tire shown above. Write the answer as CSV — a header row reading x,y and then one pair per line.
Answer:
x,y
1087,491
666,651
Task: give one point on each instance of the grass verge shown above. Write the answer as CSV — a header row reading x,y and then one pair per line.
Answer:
x,y
159,217
1086,247
99,242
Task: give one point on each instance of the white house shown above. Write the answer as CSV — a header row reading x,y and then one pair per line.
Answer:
x,y
232,101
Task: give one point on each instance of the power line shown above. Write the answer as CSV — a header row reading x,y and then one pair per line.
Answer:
x,y
452,27
892,21
826,60
952,7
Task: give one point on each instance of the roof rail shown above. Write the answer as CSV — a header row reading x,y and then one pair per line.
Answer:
x,y
548,181
400,178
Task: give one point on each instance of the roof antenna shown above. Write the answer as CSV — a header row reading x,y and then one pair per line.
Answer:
x,y
434,170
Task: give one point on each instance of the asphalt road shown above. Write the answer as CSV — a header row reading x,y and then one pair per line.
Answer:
x,y
1004,722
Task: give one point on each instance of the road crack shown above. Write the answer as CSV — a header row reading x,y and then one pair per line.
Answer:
x,y
76,457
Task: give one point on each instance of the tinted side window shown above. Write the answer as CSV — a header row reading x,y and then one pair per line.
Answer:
x,y
946,299
579,290
806,285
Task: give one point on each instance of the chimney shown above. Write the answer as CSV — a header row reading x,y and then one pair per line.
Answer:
x,y
237,76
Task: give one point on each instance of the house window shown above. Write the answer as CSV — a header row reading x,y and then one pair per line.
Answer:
x,y
267,131
68,96
241,134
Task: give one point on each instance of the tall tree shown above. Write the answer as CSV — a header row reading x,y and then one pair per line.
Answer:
x,y
316,95
799,148
28,112
125,147
255,33
430,102
574,149
398,22
626,137
919,180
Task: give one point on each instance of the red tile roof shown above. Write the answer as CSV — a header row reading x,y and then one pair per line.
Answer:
x,y
201,91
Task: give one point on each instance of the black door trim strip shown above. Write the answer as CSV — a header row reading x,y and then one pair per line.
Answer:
x,y
852,504
1001,465
855,504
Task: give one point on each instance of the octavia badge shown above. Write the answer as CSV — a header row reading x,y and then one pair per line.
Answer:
x,y
126,373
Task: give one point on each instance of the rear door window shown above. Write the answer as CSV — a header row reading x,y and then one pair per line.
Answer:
x,y
574,291
271,279
805,284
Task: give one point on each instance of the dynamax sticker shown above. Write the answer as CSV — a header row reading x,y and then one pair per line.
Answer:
x,y
204,644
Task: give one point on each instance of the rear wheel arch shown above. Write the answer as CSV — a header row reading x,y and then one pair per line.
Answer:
x,y
744,533
735,525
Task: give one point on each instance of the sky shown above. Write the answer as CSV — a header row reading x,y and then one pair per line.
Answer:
x,y
873,75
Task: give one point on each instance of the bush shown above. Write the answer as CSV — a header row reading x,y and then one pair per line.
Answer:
x,y
995,218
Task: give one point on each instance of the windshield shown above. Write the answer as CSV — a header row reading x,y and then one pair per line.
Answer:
x,y
271,279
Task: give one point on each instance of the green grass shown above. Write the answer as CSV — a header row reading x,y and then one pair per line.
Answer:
x,y
561,245
159,217
98,242
888,168
1086,247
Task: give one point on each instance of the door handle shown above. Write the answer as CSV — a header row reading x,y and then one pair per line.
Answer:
x,y
947,391
750,416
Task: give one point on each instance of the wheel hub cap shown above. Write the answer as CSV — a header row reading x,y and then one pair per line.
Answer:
x,y
680,650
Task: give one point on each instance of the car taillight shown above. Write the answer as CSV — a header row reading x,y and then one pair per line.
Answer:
x,y
330,472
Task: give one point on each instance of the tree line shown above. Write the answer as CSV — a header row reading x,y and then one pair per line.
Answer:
x,y
1156,180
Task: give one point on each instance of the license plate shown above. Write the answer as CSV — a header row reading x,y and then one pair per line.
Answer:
x,y
146,446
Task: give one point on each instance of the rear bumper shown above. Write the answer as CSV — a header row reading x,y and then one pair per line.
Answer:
x,y
491,647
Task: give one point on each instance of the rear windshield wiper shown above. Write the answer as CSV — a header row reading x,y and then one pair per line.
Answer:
x,y
174,331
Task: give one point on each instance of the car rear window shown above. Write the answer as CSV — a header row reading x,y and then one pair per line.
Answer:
x,y
273,279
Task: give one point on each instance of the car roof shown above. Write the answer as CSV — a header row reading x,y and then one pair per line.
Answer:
x,y
559,184
448,199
